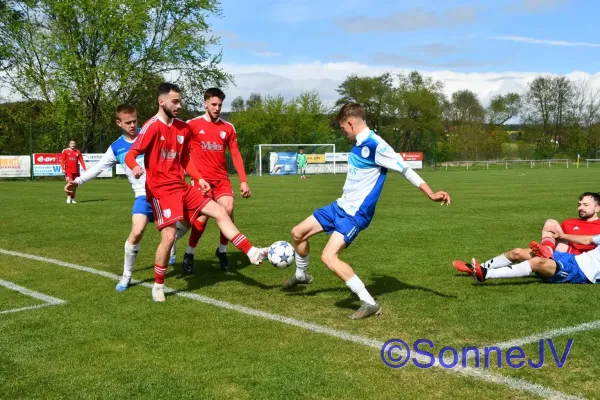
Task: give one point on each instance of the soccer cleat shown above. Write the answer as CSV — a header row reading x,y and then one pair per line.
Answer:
x,y
260,255
479,272
173,257
158,292
366,310
541,250
188,263
73,201
293,281
123,284
463,267
222,260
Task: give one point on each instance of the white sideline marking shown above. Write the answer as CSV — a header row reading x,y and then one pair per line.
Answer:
x,y
48,300
513,383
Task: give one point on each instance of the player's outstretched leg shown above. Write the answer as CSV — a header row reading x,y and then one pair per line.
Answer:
x,y
214,210
300,234
197,230
330,258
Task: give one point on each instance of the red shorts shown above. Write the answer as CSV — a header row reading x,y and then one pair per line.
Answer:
x,y
219,188
71,175
177,206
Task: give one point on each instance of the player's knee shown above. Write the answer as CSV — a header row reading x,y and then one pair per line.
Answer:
x,y
137,233
168,236
328,259
551,223
297,234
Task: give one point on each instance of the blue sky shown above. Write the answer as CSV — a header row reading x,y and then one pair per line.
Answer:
x,y
277,47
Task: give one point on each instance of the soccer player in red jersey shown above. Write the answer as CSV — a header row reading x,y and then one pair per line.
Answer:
x,y
71,158
165,142
510,264
211,136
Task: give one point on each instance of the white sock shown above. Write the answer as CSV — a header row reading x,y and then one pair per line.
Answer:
x,y
223,248
497,262
173,250
519,270
131,252
251,252
190,250
358,287
181,230
301,266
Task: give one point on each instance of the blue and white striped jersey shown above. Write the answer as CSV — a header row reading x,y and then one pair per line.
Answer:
x,y
368,163
116,155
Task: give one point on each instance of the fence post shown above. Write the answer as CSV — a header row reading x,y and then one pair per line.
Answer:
x,y
506,164
531,163
31,151
549,166
467,165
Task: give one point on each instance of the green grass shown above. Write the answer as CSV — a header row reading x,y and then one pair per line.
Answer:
x,y
104,344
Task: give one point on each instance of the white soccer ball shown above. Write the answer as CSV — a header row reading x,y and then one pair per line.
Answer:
x,y
282,254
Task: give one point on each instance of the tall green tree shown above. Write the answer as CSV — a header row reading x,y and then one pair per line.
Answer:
x,y
83,57
372,92
502,108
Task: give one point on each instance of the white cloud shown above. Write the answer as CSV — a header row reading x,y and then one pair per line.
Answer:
x,y
523,39
536,6
290,80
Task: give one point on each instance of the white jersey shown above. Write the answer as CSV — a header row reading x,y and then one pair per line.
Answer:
x,y
589,262
116,155
368,163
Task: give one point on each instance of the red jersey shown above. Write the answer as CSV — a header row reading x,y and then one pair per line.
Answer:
x,y
208,145
576,226
164,147
70,161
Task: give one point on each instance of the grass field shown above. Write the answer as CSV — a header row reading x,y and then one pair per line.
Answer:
x,y
238,335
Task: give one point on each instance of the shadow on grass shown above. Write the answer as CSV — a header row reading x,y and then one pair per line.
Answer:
x,y
207,272
91,201
380,285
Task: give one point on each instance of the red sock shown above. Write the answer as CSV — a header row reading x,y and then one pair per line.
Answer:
x,y
223,240
241,242
196,234
550,242
159,274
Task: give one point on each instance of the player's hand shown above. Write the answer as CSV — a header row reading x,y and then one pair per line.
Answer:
x,y
70,186
204,185
556,235
441,197
245,190
137,171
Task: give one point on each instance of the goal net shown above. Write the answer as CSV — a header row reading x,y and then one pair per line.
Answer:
x,y
280,159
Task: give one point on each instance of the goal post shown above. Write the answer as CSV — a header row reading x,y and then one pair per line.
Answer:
x,y
283,158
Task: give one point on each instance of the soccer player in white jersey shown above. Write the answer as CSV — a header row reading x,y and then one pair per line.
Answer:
x,y
560,268
369,161
126,119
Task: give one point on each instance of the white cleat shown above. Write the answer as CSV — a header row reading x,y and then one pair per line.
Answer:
x,y
73,201
68,200
158,292
123,284
259,256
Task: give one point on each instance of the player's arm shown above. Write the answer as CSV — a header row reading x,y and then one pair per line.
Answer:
x,y
107,161
386,157
63,162
140,146
80,157
579,239
238,164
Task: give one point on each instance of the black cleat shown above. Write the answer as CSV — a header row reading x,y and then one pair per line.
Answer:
x,y
222,260
188,263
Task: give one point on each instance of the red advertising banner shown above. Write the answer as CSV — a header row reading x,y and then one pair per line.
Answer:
x,y
46,158
412,156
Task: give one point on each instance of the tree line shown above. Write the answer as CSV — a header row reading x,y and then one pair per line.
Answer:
x,y
71,63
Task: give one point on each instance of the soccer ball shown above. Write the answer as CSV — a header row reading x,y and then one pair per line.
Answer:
x,y
281,254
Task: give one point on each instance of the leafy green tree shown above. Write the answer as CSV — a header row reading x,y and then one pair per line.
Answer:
x,y
83,57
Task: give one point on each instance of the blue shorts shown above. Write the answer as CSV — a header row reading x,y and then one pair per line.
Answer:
x,y
333,219
141,206
567,270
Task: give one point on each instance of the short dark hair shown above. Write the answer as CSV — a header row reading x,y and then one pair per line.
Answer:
x,y
593,195
166,88
125,109
349,110
214,92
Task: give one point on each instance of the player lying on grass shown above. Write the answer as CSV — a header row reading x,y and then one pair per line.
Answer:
x,y
588,223
126,119
369,161
165,142
555,267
